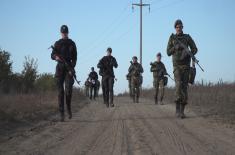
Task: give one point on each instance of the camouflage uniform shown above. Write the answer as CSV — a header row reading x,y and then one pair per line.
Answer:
x,y
66,49
87,87
93,87
159,70
106,65
135,71
181,65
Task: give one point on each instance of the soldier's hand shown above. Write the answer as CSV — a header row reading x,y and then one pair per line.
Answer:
x,y
70,73
57,58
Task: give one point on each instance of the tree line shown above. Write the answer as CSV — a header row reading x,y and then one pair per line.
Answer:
x,y
26,81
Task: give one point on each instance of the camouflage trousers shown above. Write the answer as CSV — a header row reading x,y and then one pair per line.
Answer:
x,y
135,87
93,90
107,86
129,86
64,86
158,84
181,75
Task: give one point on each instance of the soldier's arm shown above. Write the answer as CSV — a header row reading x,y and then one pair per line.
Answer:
x,y
54,51
100,64
130,68
153,68
115,64
170,46
164,70
141,69
192,45
74,55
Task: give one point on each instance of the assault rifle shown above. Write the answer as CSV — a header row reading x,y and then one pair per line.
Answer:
x,y
69,67
188,52
152,64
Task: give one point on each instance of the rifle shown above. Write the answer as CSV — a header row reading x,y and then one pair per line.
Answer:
x,y
188,52
71,69
152,64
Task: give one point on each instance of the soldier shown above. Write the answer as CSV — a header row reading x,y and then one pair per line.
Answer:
x,y
181,65
93,76
159,71
106,65
128,77
65,53
87,87
135,71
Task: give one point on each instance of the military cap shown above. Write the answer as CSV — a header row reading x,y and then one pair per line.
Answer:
x,y
178,22
159,54
64,29
109,49
135,57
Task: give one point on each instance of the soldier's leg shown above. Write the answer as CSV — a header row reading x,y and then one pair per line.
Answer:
x,y
162,90
137,93
156,85
103,91
111,83
105,86
69,81
60,88
178,90
185,79
94,92
133,89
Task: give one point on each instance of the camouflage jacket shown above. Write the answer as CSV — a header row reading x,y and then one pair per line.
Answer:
x,y
135,70
179,56
158,69
106,65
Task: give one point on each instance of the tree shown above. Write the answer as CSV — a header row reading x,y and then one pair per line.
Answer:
x,y
45,82
29,73
5,70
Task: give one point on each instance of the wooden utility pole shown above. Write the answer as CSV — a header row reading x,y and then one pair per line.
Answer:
x,y
141,17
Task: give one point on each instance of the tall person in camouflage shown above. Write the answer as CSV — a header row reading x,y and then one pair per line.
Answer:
x,y
65,53
106,65
159,72
181,64
135,71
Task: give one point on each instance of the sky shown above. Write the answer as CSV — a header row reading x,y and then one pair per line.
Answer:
x,y
29,27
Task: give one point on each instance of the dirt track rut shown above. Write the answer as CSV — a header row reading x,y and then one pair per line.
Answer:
x,y
126,129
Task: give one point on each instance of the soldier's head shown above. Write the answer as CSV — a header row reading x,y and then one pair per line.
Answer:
x,y
159,57
109,51
178,26
64,30
92,68
134,59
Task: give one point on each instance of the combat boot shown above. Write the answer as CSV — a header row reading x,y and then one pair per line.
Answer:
x,y
177,109
156,101
182,107
70,114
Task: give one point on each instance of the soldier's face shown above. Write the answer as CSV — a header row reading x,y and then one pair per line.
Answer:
x,y
108,53
64,35
179,29
158,58
134,60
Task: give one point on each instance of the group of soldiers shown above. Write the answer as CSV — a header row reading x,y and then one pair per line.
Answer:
x,y
92,85
65,53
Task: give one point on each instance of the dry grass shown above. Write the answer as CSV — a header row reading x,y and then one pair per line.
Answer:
x,y
217,101
19,110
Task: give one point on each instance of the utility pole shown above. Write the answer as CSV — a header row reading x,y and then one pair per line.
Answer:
x,y
141,17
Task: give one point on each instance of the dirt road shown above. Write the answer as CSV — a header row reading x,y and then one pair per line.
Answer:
x,y
127,129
